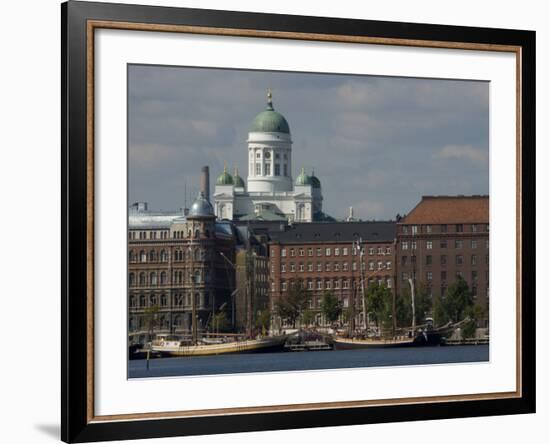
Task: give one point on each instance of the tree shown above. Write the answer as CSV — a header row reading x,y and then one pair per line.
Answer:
x,y
379,303
219,321
331,307
422,305
308,316
151,319
291,304
456,301
475,312
263,321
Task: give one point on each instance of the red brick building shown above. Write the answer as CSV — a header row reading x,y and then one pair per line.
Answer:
x,y
444,237
322,257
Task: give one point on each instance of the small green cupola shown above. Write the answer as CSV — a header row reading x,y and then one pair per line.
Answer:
x,y
237,180
303,178
224,178
315,182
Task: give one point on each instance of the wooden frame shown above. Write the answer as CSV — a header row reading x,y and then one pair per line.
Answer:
x,y
79,21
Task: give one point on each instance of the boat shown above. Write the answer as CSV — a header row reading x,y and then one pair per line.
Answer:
x,y
166,346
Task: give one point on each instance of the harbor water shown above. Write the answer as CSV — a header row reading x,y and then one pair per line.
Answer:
x,y
315,360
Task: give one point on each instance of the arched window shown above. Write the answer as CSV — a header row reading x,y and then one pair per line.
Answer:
x,y
197,254
153,278
163,300
152,256
153,299
142,279
197,277
142,256
132,256
142,302
163,278
163,256
132,279
197,234
132,301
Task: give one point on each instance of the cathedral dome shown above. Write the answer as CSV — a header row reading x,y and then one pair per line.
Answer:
x,y
201,207
303,179
224,178
238,180
269,120
315,182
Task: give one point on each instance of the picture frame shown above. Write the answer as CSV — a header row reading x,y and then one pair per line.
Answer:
x,y
80,22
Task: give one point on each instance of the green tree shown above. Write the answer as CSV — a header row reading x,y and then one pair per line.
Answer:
x,y
292,303
456,301
422,305
475,312
331,307
219,321
263,321
379,303
308,316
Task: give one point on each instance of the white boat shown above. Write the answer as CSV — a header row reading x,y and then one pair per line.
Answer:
x,y
175,347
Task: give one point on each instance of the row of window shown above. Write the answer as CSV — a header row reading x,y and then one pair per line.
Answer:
x,y
332,266
178,300
337,251
444,276
333,284
162,235
178,277
458,244
179,255
444,228
443,259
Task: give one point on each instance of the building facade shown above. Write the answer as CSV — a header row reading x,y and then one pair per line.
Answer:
x,y
444,237
339,257
175,268
270,193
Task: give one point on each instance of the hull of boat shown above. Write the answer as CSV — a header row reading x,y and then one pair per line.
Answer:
x,y
248,346
432,339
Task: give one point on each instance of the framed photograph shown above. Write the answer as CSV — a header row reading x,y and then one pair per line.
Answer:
x,y
275,221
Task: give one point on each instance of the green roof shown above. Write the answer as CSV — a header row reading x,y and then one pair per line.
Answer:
x,y
224,178
264,215
238,180
269,120
303,179
315,182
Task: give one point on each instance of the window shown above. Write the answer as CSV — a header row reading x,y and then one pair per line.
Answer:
x,y
443,259
283,286
380,265
283,268
163,278
292,267
292,252
404,245
404,260
354,266
319,266
474,292
404,276
142,256
388,265
132,279
310,285
388,250
345,266
163,256
371,265
443,244
474,277
413,245
371,251
319,251
473,244
474,259
458,244
310,266
459,259
459,228
301,267
327,266
428,275
414,229
405,229
310,252
258,155
327,251
273,286
319,285
459,275
336,266
258,169
487,228
474,228
429,259
428,229
337,284
428,245
443,228
443,275
301,252
345,251
380,251
153,278
277,169
283,252
285,169
346,284
337,252
328,284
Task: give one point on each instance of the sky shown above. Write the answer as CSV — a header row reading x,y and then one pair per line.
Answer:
x,y
376,143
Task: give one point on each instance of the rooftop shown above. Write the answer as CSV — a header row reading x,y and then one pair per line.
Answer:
x,y
449,210
383,231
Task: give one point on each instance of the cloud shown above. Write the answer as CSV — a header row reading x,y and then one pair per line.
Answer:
x,y
463,152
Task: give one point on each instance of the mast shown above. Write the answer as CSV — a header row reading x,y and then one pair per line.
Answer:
x,y
361,251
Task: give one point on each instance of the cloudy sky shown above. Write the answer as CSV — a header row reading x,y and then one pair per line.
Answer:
x,y
376,143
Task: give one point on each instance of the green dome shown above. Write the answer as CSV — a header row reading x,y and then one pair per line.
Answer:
x,y
224,178
303,179
238,180
269,120
315,182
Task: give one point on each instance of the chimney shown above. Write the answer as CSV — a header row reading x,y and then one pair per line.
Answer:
x,y
205,182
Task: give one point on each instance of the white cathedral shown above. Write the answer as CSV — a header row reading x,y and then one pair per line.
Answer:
x,y
269,192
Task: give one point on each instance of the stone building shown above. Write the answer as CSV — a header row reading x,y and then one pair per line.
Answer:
x,y
325,257
175,264
444,237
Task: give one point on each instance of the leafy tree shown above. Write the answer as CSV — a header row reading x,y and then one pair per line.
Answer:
x,y
263,321
475,312
331,307
456,301
291,304
219,321
379,303
308,316
422,305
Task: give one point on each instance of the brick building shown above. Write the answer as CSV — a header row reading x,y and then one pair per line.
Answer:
x,y
444,237
322,257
